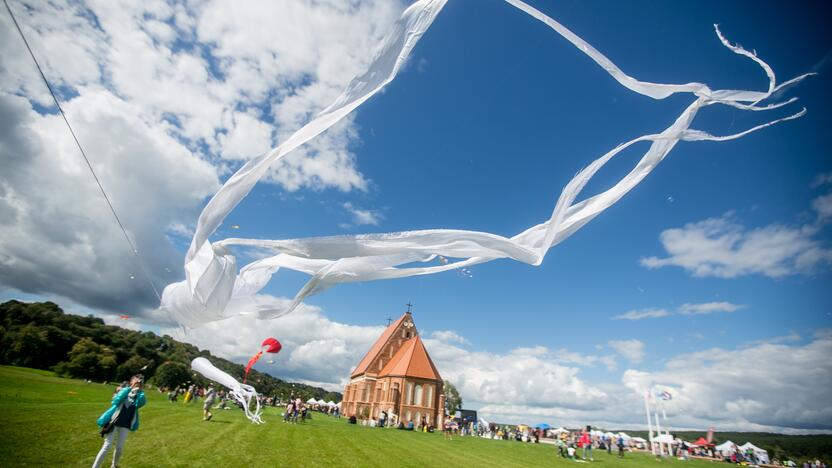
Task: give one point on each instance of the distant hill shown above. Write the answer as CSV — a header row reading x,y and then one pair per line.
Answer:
x,y
42,336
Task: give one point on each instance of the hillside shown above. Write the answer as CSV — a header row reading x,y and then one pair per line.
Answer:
x,y
40,335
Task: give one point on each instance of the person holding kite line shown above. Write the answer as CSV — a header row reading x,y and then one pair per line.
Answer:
x,y
122,417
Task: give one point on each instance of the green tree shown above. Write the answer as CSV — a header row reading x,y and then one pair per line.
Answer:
x,y
453,401
89,360
134,365
29,347
171,374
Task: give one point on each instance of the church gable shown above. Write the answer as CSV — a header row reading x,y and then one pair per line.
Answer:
x,y
390,341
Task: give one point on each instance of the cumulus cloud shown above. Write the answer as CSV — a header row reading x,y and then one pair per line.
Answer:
x,y
59,236
166,99
633,350
363,216
448,336
723,248
768,386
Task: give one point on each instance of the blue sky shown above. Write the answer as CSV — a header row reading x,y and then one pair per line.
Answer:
x,y
492,117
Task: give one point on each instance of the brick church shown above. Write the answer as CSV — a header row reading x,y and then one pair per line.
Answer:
x,y
396,376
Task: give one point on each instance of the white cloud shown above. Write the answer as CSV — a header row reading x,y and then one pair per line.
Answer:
x,y
448,336
59,236
762,387
730,389
708,308
823,206
642,314
821,180
363,216
165,98
632,350
723,248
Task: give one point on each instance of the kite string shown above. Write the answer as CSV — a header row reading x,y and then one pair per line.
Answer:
x,y
83,153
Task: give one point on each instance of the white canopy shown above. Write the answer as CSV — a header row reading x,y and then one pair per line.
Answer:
x,y
560,430
624,435
665,439
338,404
321,402
637,439
762,455
311,401
609,434
725,447
331,403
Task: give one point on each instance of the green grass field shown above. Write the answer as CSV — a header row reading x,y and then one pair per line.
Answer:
x,y
50,421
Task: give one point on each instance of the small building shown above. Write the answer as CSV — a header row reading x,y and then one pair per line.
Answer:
x,y
396,376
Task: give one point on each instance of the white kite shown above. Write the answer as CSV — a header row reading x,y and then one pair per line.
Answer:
x,y
214,289
242,393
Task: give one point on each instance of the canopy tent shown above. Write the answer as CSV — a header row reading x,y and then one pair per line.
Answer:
x,y
321,402
624,435
331,403
338,404
726,448
702,442
312,401
560,430
483,423
610,435
543,426
638,439
762,455
665,439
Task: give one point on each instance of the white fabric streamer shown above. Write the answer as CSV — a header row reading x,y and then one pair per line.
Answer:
x,y
241,393
214,290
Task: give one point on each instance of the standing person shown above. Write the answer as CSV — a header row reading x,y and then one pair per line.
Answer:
x,y
210,397
121,418
620,446
586,444
290,408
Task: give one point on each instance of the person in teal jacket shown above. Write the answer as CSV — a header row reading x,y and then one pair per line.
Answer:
x,y
123,416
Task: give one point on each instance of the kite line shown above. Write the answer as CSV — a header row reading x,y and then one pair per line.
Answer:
x,y
83,153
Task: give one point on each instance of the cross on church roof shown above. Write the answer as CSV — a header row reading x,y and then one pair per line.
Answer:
x,y
409,305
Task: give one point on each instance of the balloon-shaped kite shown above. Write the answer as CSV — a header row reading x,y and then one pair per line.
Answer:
x,y
241,393
269,345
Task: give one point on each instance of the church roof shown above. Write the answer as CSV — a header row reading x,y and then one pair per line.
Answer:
x,y
411,360
368,358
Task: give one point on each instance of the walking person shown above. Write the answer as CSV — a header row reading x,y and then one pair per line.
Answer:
x,y
121,418
210,397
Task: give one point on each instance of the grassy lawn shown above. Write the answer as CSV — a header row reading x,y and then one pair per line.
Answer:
x,y
50,421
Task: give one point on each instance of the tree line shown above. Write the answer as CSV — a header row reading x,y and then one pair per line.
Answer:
x,y
40,335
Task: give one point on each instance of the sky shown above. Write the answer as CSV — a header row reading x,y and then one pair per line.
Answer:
x,y
710,278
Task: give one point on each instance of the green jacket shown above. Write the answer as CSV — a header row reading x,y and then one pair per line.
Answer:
x,y
118,400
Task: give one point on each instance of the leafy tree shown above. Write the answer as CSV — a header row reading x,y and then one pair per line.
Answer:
x,y
88,359
453,401
134,365
30,347
171,374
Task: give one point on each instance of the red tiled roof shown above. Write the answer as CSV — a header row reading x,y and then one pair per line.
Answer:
x,y
411,360
377,346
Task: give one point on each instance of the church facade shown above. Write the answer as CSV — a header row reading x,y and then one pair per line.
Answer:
x,y
396,376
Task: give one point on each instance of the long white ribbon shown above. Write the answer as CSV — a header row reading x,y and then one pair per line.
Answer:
x,y
214,290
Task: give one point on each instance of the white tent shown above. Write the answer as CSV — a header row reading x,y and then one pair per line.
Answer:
x,y
311,401
321,402
624,435
330,403
665,439
726,448
338,404
762,455
560,430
